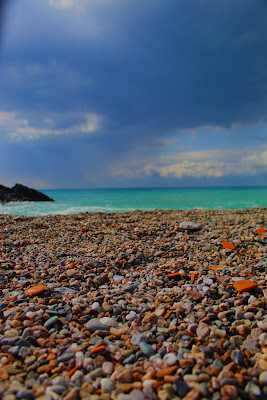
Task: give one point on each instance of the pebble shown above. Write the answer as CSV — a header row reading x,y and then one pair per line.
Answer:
x,y
25,394
180,388
107,385
170,359
107,368
190,225
263,378
50,322
94,324
65,357
147,349
253,389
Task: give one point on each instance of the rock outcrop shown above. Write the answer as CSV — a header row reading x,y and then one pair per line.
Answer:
x,y
21,193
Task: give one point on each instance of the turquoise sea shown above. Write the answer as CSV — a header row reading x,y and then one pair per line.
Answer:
x,y
71,201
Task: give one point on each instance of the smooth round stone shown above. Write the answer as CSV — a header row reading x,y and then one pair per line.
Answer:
x,y
107,367
147,349
253,389
107,385
129,360
131,316
65,357
9,341
136,339
208,281
170,359
180,388
263,378
50,322
94,324
193,226
34,290
108,321
25,394
59,380
96,373
59,389
95,305
137,395
118,278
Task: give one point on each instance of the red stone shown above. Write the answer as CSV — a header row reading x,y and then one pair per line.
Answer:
x,y
34,290
244,285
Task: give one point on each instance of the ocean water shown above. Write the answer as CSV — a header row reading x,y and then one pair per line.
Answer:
x,y
71,201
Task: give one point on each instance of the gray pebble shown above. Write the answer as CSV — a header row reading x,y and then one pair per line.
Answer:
x,y
180,387
95,325
193,226
107,385
147,349
51,321
65,357
96,373
237,356
25,394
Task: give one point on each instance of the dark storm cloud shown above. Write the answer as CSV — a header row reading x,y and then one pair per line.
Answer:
x,y
158,64
150,68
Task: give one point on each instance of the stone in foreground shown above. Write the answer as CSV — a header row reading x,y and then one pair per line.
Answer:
x,y
192,226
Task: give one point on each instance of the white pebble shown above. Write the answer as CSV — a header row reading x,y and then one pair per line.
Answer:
x,y
131,316
95,305
108,321
30,314
107,367
170,359
118,278
79,356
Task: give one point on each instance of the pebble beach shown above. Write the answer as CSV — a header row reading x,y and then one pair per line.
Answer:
x,y
164,304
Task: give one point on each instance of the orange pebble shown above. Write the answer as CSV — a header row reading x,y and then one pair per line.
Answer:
x,y
34,290
193,276
72,371
176,228
244,285
261,231
72,265
173,275
169,378
228,245
166,371
51,356
97,349
215,267
251,275
84,229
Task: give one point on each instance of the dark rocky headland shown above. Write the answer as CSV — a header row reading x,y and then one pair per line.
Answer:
x,y
21,193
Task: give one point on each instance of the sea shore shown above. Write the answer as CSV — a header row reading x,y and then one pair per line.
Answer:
x,y
133,306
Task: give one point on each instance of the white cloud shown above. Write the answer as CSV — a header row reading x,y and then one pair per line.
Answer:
x,y
79,4
61,4
213,163
18,129
189,168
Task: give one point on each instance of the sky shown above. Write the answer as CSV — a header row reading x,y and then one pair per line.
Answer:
x,y
133,93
